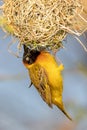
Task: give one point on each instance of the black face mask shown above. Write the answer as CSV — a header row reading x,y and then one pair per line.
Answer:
x,y
29,55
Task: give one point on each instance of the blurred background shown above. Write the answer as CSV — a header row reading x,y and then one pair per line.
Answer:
x,y
21,108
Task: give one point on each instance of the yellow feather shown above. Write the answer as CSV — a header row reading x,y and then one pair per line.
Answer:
x,y
45,74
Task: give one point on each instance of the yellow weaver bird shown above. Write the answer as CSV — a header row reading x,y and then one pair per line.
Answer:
x,y
45,75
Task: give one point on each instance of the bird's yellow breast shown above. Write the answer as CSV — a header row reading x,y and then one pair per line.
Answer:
x,y
53,70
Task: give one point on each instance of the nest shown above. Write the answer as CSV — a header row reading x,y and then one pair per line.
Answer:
x,y
43,22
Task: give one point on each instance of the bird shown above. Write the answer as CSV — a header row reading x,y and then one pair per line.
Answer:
x,y
46,75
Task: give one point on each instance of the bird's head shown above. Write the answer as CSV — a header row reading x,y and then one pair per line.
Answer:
x,y
29,55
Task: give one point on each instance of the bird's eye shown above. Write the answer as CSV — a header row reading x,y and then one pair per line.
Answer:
x,y
27,59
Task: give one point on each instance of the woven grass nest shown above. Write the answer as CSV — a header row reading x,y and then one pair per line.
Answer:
x,y
43,22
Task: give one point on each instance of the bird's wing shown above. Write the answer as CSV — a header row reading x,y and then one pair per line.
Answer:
x,y
39,79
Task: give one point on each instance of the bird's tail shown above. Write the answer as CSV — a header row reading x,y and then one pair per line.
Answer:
x,y
61,107
66,114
